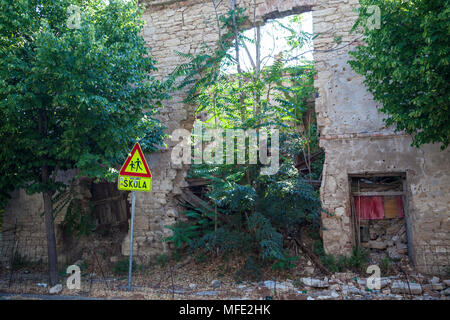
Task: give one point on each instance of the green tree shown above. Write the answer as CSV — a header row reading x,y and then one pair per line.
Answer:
x,y
72,97
246,211
406,64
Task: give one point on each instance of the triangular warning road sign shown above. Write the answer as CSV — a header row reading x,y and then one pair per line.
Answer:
x,y
136,165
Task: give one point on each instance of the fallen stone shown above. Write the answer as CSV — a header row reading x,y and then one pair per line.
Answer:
x,y
345,276
192,286
447,283
435,280
403,287
324,297
42,285
207,293
386,291
316,283
438,286
362,282
215,284
446,292
334,294
281,286
335,287
310,298
56,289
350,289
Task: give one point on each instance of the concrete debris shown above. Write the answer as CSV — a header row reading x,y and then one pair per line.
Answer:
x,y
350,289
56,289
438,286
281,286
207,293
192,286
435,280
345,276
316,283
404,287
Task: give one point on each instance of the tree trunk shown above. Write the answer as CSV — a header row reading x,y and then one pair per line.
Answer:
x,y
50,231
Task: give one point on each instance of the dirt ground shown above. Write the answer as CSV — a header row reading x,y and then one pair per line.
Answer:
x,y
215,279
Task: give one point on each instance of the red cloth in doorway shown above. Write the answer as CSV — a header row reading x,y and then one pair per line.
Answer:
x,y
369,208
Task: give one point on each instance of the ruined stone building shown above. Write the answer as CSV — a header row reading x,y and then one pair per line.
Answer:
x,y
359,149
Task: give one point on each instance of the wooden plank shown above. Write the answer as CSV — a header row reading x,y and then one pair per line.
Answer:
x,y
390,207
198,182
189,197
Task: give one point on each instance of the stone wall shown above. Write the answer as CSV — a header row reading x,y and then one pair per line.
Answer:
x,y
357,141
23,230
352,131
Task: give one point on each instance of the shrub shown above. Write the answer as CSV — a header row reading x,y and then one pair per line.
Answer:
x,y
121,267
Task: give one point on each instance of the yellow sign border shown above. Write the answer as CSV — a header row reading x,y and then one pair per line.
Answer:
x,y
140,180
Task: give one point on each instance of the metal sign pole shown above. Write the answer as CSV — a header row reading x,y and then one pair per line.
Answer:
x,y
131,240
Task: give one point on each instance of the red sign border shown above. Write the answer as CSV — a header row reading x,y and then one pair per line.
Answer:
x,y
125,165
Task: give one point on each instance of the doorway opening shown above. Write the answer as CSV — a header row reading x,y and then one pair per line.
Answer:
x,y
378,207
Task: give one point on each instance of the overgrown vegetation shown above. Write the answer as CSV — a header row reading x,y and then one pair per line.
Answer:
x,y
246,211
121,267
406,65
357,261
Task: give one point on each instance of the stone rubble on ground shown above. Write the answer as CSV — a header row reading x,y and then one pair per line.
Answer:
x,y
446,292
192,286
207,293
405,287
215,284
56,289
280,286
316,283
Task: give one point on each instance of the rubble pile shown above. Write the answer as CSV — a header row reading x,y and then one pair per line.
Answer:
x,y
386,237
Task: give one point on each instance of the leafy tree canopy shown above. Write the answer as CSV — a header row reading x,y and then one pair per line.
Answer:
x,y
73,97
406,64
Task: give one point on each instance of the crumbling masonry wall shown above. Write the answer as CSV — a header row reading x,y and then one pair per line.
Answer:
x,y
352,132
356,141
